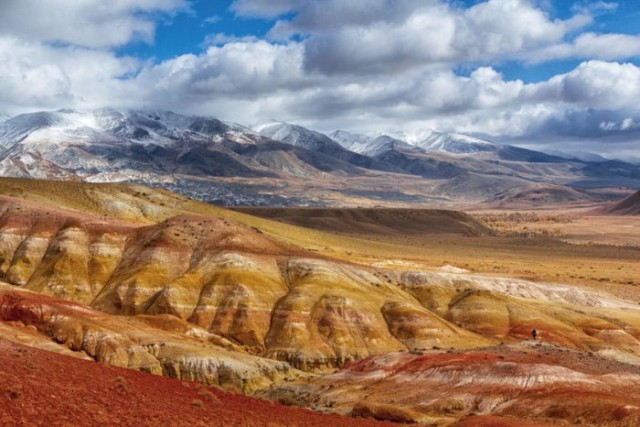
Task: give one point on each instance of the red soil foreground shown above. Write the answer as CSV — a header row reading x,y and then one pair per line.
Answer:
x,y
42,388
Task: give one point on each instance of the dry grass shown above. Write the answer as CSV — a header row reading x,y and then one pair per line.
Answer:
x,y
525,224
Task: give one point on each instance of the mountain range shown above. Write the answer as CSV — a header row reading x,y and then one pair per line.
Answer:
x,y
286,164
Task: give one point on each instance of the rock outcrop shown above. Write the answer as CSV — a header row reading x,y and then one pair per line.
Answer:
x,y
158,346
541,382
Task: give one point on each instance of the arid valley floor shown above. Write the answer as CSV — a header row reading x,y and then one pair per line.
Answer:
x,y
257,316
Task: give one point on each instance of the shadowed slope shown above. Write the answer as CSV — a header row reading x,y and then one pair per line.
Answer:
x,y
627,206
375,221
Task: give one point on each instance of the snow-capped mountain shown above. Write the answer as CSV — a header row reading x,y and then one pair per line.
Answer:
x,y
188,154
161,128
209,159
356,142
454,143
318,142
428,141
109,145
370,145
295,135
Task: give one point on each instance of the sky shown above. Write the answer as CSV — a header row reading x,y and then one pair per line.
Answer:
x,y
562,75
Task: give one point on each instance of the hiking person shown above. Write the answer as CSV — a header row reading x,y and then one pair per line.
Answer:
x,y
534,334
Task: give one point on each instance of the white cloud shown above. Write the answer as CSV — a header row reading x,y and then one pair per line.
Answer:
x,y
264,9
385,35
213,19
499,27
90,23
595,6
236,72
589,46
220,39
35,76
600,85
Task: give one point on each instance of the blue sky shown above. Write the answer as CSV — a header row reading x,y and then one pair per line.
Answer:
x,y
558,74
187,31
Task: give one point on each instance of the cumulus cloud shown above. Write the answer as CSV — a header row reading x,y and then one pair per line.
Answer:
x,y
589,46
386,35
36,76
599,85
238,69
61,54
90,23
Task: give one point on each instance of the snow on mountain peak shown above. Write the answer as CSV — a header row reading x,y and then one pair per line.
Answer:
x,y
454,143
295,135
428,140
358,143
370,145
107,125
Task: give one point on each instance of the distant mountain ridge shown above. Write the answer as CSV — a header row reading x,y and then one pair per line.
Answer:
x,y
282,163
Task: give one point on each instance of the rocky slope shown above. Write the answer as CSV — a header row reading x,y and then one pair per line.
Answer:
x,y
539,194
539,382
161,345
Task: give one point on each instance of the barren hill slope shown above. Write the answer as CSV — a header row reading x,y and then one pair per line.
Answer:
x,y
628,206
375,220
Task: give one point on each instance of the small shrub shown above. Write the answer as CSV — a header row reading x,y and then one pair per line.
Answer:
x,y
207,395
121,385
